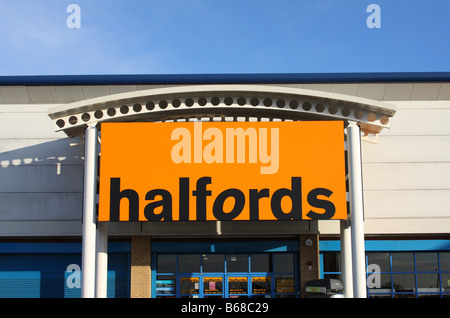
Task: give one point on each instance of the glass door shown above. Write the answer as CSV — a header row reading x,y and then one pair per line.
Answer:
x,y
258,275
213,286
262,286
237,286
189,287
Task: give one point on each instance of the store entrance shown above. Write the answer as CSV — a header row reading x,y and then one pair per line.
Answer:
x,y
225,275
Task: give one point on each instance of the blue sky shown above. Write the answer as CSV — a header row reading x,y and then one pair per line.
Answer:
x,y
223,36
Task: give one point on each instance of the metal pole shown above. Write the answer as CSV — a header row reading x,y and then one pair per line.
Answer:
x,y
89,215
346,259
101,274
356,209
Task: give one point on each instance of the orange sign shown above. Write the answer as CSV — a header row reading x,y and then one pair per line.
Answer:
x,y
222,171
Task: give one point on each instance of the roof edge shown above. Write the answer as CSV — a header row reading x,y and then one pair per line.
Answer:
x,y
226,78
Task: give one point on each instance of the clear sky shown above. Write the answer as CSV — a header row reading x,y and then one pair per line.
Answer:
x,y
222,36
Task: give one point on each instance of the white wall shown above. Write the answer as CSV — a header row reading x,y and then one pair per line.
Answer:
x,y
41,175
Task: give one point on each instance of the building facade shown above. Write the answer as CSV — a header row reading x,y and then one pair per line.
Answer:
x,y
405,172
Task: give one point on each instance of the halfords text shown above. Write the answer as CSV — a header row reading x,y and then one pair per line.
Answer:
x,y
160,207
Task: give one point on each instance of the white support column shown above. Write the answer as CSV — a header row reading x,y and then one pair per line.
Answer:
x,y
356,210
89,214
346,259
101,272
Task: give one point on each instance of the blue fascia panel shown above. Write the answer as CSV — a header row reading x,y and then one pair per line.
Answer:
x,y
63,247
239,78
391,245
224,247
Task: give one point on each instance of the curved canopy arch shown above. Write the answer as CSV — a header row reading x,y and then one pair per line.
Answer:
x,y
222,103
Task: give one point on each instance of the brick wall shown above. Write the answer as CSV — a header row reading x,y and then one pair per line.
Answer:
x,y
140,267
309,260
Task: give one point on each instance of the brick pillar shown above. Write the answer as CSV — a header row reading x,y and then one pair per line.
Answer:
x,y
140,267
309,260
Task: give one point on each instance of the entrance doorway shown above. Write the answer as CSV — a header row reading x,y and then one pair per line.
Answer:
x,y
202,275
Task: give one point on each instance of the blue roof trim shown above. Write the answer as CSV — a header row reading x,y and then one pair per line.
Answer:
x,y
224,247
68,247
263,78
391,245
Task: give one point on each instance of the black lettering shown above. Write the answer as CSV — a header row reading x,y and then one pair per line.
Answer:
x,y
255,195
161,209
239,202
184,199
296,198
314,201
165,202
116,196
201,193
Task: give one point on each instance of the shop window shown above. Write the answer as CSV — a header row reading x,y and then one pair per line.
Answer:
x,y
331,265
427,262
380,259
213,263
237,263
284,284
238,285
166,285
428,282
167,264
385,283
261,285
260,263
212,286
403,282
189,285
402,262
188,263
445,278
331,262
400,274
444,259
283,263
